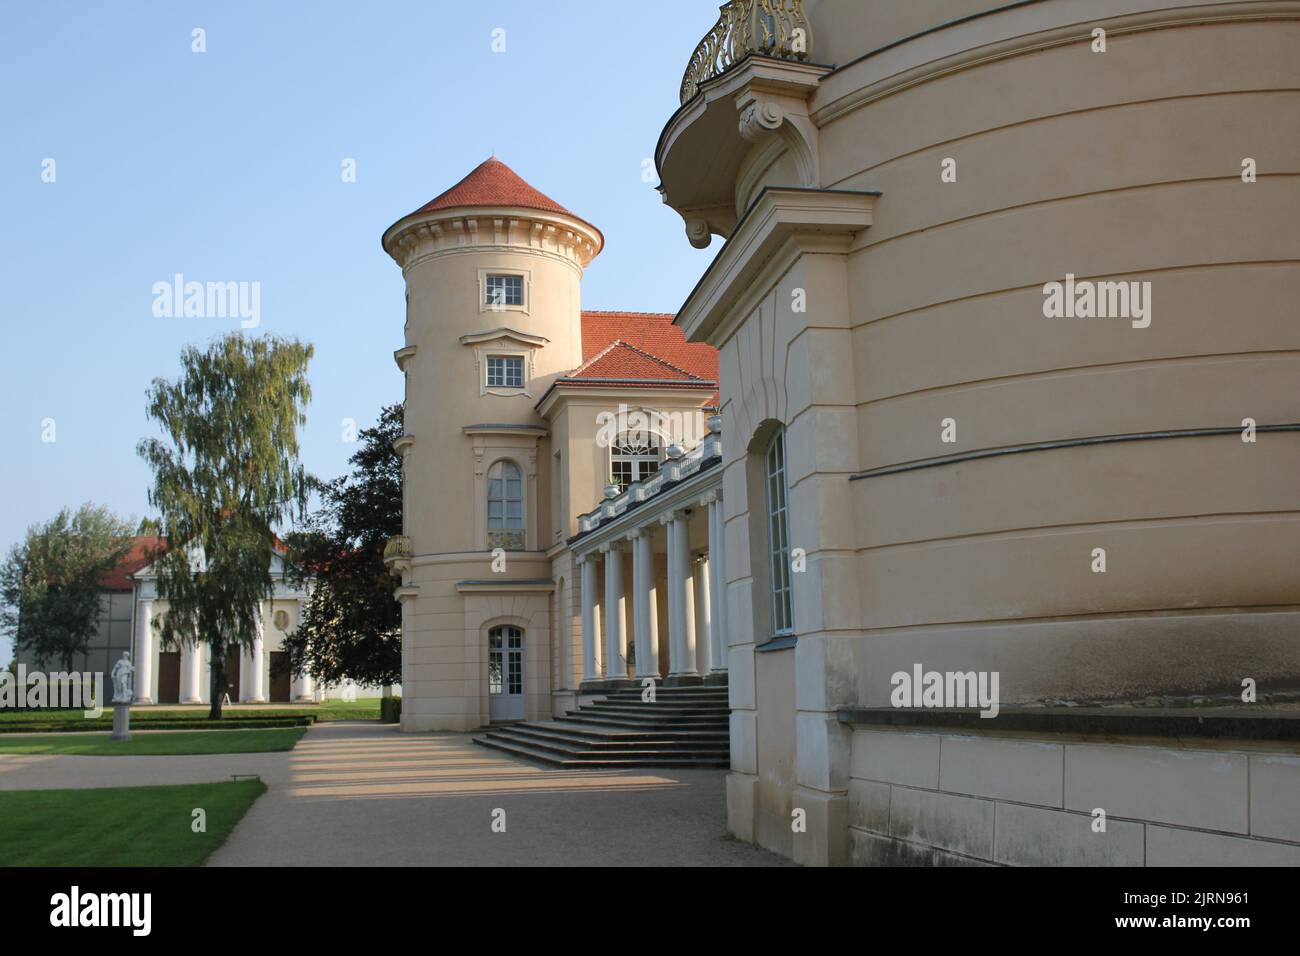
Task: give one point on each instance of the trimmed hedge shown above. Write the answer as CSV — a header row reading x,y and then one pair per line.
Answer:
x,y
71,726
390,710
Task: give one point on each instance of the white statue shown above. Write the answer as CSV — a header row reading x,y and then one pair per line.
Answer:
x,y
121,674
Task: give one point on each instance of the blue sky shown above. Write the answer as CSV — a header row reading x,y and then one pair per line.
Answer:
x,y
225,166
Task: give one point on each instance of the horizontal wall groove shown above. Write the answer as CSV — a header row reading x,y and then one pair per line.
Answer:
x,y
1233,178
1040,530
1163,270
1205,358
941,460
1050,117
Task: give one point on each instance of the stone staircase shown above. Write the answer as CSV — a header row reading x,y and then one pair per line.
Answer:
x,y
684,727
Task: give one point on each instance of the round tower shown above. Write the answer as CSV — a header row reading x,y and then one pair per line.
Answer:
x,y
493,316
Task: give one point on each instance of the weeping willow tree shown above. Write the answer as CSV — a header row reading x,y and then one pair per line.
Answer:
x,y
225,474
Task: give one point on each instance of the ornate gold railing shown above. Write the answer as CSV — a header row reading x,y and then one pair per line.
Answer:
x,y
776,28
397,548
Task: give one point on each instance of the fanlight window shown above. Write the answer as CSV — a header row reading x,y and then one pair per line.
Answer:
x,y
505,501
633,457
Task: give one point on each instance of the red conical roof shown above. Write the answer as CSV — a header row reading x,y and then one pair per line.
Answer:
x,y
493,183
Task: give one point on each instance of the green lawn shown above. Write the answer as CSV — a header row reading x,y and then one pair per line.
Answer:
x,y
155,744
126,826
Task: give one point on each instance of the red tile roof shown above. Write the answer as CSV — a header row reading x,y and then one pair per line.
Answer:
x,y
651,334
493,183
621,361
142,549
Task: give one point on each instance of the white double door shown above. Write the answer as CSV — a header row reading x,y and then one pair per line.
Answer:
x,y
506,673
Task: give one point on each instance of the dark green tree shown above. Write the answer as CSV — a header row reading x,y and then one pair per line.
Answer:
x,y
226,474
50,582
352,625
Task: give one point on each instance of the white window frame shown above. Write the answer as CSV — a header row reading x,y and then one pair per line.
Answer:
x,y
526,282
657,444
778,535
520,357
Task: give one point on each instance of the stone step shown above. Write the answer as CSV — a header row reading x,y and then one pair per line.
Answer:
x,y
604,739
580,751
598,762
683,727
631,723
665,720
667,710
673,693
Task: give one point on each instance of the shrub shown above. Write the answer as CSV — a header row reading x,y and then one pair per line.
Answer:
x,y
390,710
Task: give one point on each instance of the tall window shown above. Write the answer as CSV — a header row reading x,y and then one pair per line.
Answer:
x,y
778,535
501,291
505,371
633,457
505,506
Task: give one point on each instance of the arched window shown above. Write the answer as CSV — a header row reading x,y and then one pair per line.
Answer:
x,y
505,501
634,456
778,535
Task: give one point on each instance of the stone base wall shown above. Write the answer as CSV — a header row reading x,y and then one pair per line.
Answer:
x,y
941,798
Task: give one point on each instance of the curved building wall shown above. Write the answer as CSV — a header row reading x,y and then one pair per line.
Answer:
x,y
1120,166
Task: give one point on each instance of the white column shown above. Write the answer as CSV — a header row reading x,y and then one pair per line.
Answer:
x,y
681,600
615,613
703,618
645,631
590,620
301,691
717,584
256,694
191,672
143,653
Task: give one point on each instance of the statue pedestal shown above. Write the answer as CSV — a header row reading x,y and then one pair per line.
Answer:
x,y
121,722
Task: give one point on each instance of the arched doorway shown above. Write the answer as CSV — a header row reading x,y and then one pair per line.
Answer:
x,y
506,673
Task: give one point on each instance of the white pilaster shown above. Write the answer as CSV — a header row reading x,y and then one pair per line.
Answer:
x,y
143,653
645,630
615,613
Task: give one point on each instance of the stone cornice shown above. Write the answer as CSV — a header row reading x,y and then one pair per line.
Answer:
x,y
704,146
558,395
424,234
506,428
504,332
540,585
812,220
